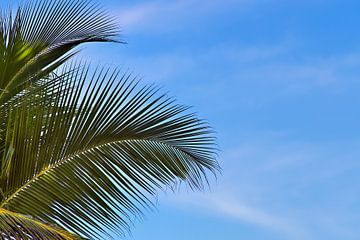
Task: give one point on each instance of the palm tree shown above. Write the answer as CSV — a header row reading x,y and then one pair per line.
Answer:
x,y
84,151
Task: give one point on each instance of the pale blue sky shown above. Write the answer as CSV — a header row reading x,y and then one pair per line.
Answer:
x,y
279,81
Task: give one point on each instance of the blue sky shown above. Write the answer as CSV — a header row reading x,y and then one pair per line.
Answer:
x,y
279,81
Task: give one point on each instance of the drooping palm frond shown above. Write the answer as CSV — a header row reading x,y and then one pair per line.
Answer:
x,y
18,226
89,161
39,37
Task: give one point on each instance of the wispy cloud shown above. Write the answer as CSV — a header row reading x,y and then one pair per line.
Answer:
x,y
164,15
227,206
136,15
238,210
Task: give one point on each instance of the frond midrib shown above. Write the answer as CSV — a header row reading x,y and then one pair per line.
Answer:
x,y
85,150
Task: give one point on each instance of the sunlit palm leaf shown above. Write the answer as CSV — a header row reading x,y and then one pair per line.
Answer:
x,y
91,160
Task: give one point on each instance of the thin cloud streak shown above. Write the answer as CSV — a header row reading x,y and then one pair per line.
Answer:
x,y
244,213
163,15
227,206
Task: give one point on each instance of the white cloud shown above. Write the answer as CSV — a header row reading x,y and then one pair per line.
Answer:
x,y
227,206
245,213
165,15
136,15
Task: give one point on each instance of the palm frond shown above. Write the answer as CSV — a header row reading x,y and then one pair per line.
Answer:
x,y
39,37
92,160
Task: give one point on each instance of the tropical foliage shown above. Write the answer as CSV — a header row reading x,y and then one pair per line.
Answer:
x,y
83,151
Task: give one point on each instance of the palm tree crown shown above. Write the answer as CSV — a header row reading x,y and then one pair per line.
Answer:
x,y
83,151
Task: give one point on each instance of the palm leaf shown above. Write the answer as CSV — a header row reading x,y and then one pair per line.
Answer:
x,y
92,160
40,36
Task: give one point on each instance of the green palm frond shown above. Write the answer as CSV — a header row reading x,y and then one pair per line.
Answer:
x,y
40,36
92,160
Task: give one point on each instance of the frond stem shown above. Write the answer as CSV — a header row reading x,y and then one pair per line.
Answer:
x,y
67,158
